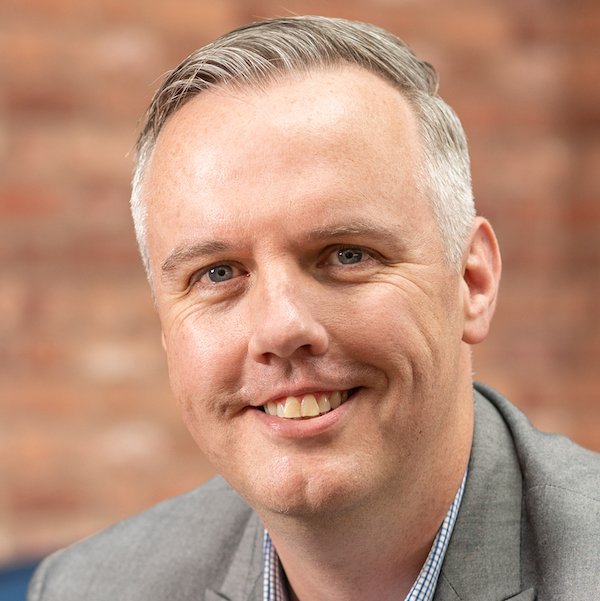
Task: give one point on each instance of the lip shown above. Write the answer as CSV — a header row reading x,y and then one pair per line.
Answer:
x,y
304,428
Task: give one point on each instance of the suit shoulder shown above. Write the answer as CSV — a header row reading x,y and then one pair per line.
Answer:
x,y
213,509
547,460
179,543
560,504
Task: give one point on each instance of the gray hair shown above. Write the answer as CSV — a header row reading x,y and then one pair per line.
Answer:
x,y
261,53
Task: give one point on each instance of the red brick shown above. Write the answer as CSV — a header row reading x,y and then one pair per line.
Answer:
x,y
23,200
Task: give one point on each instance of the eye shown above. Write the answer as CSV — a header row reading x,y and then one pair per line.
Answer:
x,y
217,274
220,273
348,256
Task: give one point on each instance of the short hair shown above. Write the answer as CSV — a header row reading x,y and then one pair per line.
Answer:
x,y
262,53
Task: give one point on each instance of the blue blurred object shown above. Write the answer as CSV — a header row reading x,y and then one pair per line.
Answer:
x,y
14,581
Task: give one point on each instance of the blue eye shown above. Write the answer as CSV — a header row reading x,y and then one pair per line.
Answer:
x,y
347,256
220,273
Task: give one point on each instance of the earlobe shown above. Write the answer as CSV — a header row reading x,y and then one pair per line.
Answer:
x,y
163,340
481,276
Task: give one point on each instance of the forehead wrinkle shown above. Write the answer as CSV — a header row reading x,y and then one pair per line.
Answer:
x,y
188,252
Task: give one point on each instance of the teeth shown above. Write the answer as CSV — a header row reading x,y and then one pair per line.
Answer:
x,y
324,405
335,400
309,406
294,408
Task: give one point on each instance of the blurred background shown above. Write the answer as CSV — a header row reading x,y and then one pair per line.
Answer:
x,y
88,430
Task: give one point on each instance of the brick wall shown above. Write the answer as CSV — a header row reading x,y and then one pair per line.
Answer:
x,y
88,431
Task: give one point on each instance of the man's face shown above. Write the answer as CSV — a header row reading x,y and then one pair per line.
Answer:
x,y
294,254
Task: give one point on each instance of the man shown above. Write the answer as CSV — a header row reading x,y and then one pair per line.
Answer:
x,y
303,206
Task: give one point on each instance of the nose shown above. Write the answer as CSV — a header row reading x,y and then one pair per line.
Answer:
x,y
283,319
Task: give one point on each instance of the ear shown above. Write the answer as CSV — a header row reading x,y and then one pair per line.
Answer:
x,y
163,340
481,277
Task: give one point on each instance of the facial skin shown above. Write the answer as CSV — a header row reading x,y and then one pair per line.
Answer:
x,y
272,186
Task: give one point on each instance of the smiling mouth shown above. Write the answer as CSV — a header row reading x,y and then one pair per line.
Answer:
x,y
307,405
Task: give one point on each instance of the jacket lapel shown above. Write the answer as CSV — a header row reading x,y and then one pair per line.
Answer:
x,y
483,561
243,581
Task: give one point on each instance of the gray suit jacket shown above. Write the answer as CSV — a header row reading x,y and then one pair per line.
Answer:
x,y
528,528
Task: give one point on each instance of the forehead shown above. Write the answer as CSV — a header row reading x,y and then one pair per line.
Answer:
x,y
326,136
320,107
321,88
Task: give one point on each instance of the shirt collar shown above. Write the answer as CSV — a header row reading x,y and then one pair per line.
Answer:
x,y
274,581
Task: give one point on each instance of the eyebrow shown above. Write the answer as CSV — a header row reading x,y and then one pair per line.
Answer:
x,y
357,229
188,252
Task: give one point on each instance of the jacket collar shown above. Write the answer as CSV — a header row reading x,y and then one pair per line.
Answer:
x,y
243,581
483,560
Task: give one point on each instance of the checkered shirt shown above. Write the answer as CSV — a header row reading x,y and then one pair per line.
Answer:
x,y
274,580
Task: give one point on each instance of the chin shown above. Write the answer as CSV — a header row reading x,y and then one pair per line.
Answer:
x,y
307,493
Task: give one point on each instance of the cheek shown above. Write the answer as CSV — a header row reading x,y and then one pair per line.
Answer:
x,y
409,335
201,370
204,364
384,322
